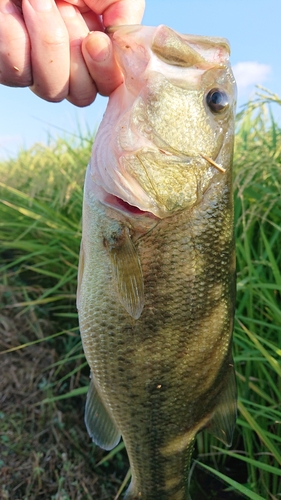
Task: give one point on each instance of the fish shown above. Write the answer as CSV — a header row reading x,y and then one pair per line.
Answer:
x,y
156,281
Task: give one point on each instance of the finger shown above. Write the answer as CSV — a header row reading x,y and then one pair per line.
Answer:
x,y
17,3
50,56
117,12
80,4
15,66
82,89
93,21
98,53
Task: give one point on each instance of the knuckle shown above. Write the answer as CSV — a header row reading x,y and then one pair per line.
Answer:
x,y
13,77
49,94
57,39
81,101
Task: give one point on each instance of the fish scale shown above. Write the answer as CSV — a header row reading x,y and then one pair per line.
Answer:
x,y
156,293
161,362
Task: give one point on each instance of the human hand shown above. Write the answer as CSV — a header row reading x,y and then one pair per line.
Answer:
x,y
46,45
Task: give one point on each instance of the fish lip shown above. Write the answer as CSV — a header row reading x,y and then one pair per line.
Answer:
x,y
126,208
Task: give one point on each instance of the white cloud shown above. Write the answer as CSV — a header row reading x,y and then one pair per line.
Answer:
x,y
249,73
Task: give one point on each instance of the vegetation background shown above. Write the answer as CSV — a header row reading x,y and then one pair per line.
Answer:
x,y
44,448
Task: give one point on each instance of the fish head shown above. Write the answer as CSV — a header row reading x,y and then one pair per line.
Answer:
x,y
173,121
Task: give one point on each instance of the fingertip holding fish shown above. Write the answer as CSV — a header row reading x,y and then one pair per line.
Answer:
x,y
98,46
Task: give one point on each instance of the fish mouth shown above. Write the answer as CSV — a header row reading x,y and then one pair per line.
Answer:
x,y
123,206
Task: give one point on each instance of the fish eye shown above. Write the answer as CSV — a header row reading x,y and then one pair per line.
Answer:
x,y
217,100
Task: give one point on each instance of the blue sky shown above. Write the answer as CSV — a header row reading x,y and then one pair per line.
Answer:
x,y
251,26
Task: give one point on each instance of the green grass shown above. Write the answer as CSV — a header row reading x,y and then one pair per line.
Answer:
x,y
40,231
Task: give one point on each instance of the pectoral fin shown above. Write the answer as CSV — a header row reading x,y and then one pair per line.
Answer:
x,y
223,421
127,271
99,423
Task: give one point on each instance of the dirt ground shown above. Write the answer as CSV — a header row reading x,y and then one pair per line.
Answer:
x,y
45,451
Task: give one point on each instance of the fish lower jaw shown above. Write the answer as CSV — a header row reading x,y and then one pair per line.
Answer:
x,y
102,194
126,208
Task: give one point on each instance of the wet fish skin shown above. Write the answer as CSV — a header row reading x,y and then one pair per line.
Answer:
x,y
157,282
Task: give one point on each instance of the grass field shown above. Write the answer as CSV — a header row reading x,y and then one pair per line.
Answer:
x,y
44,448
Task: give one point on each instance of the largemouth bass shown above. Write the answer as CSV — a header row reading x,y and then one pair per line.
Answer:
x,y
156,281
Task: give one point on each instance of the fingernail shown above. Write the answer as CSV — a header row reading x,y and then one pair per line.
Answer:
x,y
8,8
68,10
98,49
41,5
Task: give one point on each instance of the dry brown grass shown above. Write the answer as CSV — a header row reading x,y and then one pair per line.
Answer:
x,y
45,451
